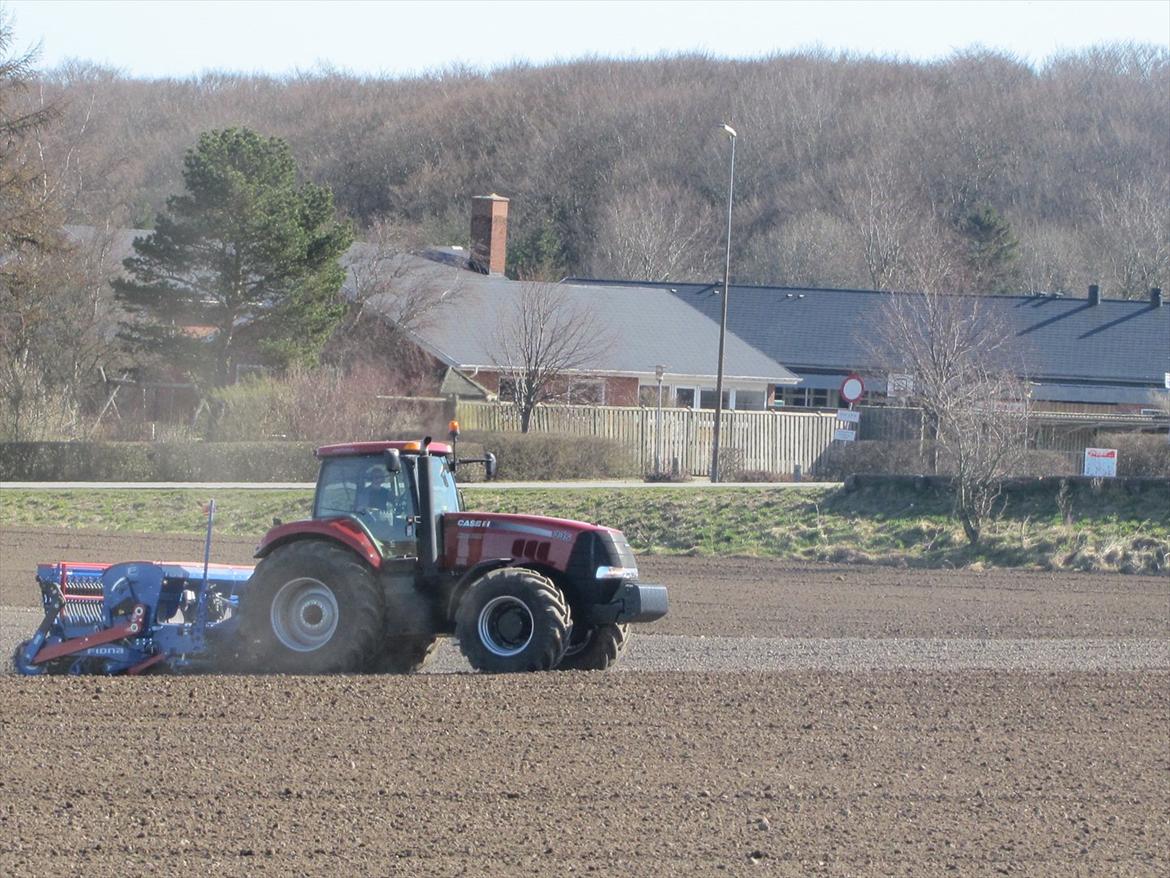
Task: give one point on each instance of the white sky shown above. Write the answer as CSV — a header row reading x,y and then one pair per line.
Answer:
x,y
178,38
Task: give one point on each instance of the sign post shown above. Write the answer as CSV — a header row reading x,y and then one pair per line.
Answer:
x,y
852,389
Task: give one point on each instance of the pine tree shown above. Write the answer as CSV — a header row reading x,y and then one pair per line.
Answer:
x,y
992,251
246,248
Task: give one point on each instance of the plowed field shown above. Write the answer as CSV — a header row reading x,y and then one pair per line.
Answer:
x,y
807,768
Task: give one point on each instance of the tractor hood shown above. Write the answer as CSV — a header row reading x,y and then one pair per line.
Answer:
x,y
471,537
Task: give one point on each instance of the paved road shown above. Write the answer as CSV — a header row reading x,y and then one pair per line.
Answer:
x,y
470,486
665,652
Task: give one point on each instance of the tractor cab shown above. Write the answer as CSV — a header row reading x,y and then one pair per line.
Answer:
x,y
389,489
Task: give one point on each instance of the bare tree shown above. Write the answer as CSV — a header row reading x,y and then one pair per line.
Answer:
x,y
656,233
55,320
57,323
1133,233
966,382
541,342
391,297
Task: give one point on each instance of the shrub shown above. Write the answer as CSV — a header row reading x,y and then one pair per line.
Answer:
x,y
841,460
157,462
666,476
763,475
322,405
1038,464
548,456
1142,455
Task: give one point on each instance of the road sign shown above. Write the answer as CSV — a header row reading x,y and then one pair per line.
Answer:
x,y
844,435
847,415
899,385
852,388
1101,462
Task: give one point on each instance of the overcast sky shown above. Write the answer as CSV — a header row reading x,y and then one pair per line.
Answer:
x,y
178,38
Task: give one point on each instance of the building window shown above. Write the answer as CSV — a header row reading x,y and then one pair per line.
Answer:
x,y
684,397
586,393
749,400
508,389
707,398
806,397
648,395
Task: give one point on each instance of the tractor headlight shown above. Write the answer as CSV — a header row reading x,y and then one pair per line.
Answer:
x,y
617,573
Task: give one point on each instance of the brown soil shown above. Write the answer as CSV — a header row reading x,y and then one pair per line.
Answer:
x,y
746,596
556,774
877,773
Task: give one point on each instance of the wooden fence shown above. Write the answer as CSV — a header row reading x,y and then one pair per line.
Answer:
x,y
776,442
771,441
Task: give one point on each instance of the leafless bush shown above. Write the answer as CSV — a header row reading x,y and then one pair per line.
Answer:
x,y
964,381
320,405
1142,455
843,459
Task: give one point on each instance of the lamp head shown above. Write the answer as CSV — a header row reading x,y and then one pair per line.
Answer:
x,y
729,130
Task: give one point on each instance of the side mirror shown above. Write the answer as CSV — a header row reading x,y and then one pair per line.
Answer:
x,y
489,465
393,460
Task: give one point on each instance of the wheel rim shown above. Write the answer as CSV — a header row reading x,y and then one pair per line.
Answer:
x,y
505,626
304,614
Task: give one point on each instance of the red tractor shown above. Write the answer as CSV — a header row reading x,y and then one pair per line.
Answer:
x,y
390,560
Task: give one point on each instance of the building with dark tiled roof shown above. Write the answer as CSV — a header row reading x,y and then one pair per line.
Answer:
x,y
1077,354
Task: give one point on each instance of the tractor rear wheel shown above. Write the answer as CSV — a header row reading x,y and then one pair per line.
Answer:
x,y
408,633
513,619
311,607
594,647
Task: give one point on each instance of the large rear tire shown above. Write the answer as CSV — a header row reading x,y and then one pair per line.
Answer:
x,y
594,647
408,633
311,607
513,619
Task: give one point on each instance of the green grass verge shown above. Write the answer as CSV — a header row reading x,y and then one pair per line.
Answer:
x,y
1085,531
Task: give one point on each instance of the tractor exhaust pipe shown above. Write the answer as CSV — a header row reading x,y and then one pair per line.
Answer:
x,y
430,535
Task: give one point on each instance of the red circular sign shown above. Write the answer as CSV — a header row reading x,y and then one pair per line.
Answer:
x,y
852,388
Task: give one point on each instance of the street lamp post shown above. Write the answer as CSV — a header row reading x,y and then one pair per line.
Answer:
x,y
723,320
659,371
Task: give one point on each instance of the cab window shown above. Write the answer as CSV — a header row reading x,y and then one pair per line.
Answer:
x,y
365,489
446,494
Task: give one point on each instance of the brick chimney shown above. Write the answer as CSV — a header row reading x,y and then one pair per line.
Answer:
x,y
1156,297
1094,294
489,232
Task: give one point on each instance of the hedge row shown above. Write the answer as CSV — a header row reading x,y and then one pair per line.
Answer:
x,y
543,457
532,457
1139,455
157,462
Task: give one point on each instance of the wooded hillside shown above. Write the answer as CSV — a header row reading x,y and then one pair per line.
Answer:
x,y
978,173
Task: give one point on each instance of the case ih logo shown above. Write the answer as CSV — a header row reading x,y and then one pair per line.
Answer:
x,y
473,522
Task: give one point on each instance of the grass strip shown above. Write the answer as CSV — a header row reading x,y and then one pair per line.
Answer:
x,y
1085,532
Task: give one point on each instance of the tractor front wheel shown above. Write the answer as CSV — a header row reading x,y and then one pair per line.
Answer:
x,y
594,647
513,619
311,607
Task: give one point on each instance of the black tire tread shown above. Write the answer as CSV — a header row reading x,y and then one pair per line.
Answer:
x,y
602,652
551,609
356,646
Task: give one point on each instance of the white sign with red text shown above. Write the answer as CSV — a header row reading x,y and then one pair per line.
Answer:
x,y
1101,462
